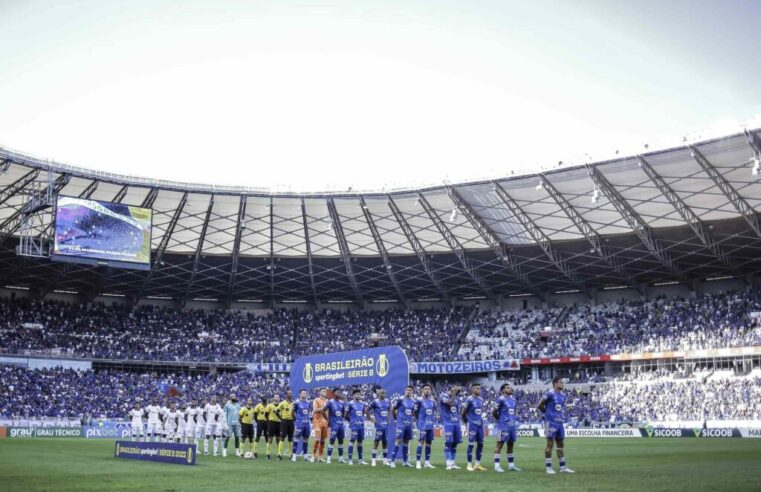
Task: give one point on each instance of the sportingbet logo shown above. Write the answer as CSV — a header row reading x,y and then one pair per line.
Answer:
x,y
382,365
308,373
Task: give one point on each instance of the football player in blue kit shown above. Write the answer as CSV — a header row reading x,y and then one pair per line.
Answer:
x,y
334,411
301,409
425,409
450,417
377,412
472,415
553,408
355,414
507,427
403,412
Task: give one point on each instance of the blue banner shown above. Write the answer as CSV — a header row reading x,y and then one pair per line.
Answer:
x,y
465,367
386,367
163,452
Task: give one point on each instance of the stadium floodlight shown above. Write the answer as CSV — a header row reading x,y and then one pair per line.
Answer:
x,y
756,166
540,186
453,215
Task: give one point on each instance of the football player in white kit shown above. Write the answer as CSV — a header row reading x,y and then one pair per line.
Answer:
x,y
182,424
164,415
224,429
213,425
190,421
200,421
154,422
170,423
136,418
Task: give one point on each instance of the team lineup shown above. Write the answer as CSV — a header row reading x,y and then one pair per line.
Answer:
x,y
288,425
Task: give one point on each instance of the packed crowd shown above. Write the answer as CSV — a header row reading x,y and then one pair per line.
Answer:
x,y
710,321
71,393
666,399
153,333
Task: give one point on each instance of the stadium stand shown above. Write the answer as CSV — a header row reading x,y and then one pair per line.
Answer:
x,y
710,321
151,333
661,396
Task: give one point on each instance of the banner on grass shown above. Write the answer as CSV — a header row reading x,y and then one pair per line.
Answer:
x,y
386,367
465,367
163,452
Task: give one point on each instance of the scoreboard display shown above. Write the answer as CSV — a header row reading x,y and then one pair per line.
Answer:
x,y
102,233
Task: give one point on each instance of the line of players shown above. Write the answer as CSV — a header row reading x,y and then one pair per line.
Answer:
x,y
325,420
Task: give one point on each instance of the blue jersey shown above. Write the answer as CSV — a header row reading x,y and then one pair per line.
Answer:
x,y
424,409
474,409
450,409
379,409
554,410
405,408
336,409
356,413
506,406
301,409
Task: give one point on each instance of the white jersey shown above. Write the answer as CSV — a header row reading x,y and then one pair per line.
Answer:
x,y
190,416
213,414
136,416
170,422
200,420
153,413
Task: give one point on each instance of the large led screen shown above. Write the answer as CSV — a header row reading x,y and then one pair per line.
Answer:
x,y
89,231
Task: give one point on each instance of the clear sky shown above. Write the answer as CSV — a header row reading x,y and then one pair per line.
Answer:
x,y
327,95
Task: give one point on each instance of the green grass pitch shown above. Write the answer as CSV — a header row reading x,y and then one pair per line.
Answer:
x,y
600,464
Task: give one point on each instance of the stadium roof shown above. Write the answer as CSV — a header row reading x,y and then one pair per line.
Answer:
x,y
682,214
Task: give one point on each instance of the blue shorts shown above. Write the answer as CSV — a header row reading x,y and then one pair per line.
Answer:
x,y
358,434
453,433
426,435
302,430
338,432
381,435
553,430
508,434
404,432
475,433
